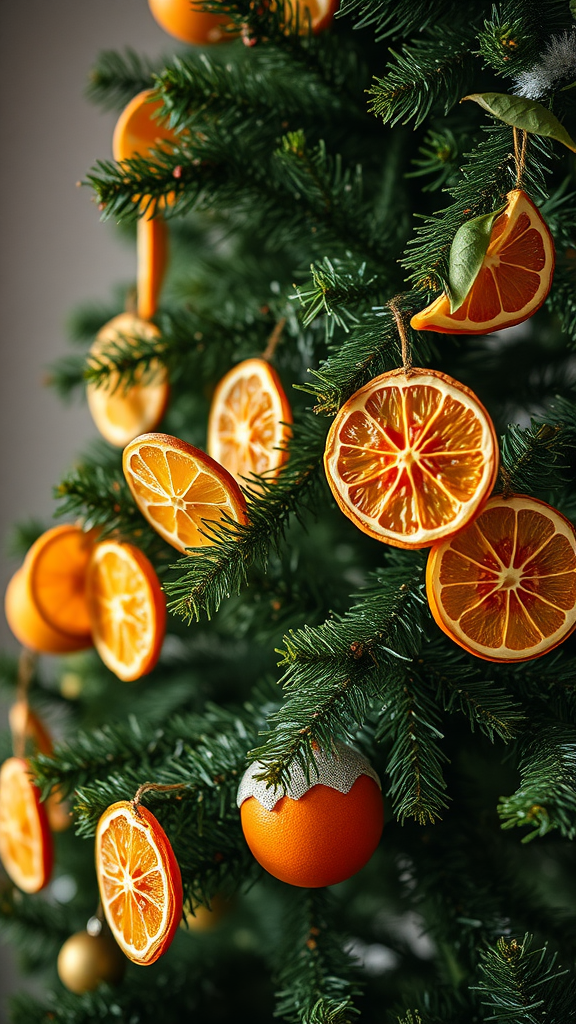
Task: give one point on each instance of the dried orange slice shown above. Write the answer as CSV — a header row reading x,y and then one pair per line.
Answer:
x,y
26,724
513,281
138,129
25,842
57,563
411,459
29,627
179,489
505,587
139,880
188,24
321,14
247,428
122,413
127,609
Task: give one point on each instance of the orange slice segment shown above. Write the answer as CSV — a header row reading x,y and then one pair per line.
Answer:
x,y
410,459
25,842
247,428
139,880
122,413
179,489
513,281
505,587
57,563
127,609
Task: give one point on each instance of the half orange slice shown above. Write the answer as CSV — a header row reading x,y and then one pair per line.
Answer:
x,y
505,587
127,609
180,490
57,563
121,413
26,847
139,880
248,425
411,459
513,281
29,627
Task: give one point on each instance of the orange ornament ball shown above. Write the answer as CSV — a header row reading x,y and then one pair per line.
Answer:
x,y
179,19
318,833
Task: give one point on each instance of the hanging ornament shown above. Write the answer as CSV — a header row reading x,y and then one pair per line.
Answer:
x,y
139,879
411,457
198,918
137,133
121,413
190,25
127,609
505,587
314,833
25,725
45,600
87,959
26,849
180,490
504,286
248,428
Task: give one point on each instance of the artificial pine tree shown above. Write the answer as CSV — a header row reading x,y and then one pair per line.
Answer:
x,y
313,196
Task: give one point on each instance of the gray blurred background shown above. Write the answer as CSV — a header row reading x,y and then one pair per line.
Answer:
x,y
54,251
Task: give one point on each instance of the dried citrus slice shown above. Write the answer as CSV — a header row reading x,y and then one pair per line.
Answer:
x,y
505,587
180,489
57,563
321,14
247,431
411,459
139,880
26,725
138,129
25,842
127,609
122,413
29,627
513,281
190,25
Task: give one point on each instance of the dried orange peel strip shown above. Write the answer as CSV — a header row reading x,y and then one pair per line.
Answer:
x,y
180,490
248,425
505,587
139,881
26,848
411,459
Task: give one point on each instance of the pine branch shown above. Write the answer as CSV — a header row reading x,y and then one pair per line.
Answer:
x,y
409,722
522,984
210,574
117,77
535,458
546,797
314,973
400,19
335,671
512,39
438,159
339,290
34,926
434,69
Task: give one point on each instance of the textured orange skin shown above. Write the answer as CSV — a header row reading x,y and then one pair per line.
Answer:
x,y
47,844
212,466
159,603
320,839
75,546
200,28
433,567
276,384
28,626
172,869
330,441
420,322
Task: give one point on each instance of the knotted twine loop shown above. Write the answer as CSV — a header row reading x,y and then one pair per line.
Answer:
x,y
148,787
520,154
406,352
26,668
507,491
273,340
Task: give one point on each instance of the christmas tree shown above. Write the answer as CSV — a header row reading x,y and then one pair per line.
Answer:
x,y
338,450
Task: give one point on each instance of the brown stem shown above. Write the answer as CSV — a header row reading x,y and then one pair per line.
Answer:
x,y
406,353
273,340
520,154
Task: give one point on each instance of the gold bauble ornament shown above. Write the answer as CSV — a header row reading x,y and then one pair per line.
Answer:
x,y
87,960
197,917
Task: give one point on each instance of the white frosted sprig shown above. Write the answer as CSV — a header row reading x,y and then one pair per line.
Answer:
x,y
558,62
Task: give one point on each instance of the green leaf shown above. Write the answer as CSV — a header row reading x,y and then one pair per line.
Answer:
x,y
525,114
466,255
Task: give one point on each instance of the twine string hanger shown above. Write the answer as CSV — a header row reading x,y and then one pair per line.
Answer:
x,y
507,490
520,148
273,340
26,668
404,342
153,787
